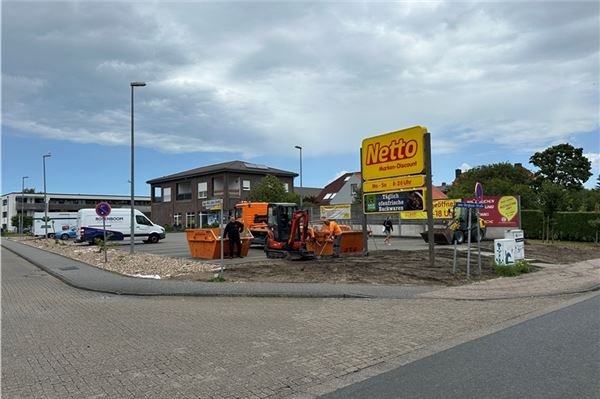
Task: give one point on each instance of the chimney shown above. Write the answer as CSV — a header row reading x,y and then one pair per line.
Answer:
x,y
457,173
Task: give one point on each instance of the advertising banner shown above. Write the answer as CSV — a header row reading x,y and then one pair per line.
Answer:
x,y
394,183
442,209
335,212
499,211
393,154
394,201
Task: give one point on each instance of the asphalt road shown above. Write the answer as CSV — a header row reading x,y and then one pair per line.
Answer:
x,y
175,244
553,356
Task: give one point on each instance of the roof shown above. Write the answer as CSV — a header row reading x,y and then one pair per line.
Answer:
x,y
335,186
307,191
231,166
84,196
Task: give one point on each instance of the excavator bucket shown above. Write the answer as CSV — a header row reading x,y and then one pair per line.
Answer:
x,y
440,236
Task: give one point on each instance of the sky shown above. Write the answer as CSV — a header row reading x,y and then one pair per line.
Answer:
x,y
491,81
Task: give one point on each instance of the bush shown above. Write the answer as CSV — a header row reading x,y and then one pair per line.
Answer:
x,y
567,226
520,267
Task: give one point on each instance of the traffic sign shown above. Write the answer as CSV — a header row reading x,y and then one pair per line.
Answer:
x,y
469,205
103,209
478,191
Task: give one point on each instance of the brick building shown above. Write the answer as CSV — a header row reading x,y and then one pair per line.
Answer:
x,y
177,198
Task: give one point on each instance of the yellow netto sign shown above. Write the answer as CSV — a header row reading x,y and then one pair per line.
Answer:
x,y
394,154
394,183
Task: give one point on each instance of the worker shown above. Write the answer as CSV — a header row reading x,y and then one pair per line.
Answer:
x,y
335,233
232,231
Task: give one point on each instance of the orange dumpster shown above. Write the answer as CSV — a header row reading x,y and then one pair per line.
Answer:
x,y
206,244
351,242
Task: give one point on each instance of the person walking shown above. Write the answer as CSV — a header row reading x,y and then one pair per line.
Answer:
x,y
232,231
388,227
335,233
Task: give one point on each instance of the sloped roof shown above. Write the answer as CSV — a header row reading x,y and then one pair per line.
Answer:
x,y
231,166
334,187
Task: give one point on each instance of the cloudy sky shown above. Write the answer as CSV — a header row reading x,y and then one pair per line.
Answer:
x,y
492,82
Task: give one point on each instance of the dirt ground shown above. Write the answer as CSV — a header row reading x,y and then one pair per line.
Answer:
x,y
391,267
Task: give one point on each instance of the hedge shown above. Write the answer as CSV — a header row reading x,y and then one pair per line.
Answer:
x,y
567,226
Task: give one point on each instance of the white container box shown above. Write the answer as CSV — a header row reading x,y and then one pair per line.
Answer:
x,y
519,238
504,251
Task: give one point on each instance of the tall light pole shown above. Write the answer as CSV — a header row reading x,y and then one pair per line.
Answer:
x,y
132,230
22,201
48,155
300,148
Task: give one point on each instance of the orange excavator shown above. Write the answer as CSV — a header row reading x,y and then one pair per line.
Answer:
x,y
288,238
255,217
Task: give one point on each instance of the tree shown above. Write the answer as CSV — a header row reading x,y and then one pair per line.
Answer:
x,y
271,189
27,221
562,164
497,179
597,188
551,197
29,191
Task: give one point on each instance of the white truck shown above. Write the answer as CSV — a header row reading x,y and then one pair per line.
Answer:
x,y
118,226
57,221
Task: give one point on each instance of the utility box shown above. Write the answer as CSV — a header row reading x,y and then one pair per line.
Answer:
x,y
504,251
519,238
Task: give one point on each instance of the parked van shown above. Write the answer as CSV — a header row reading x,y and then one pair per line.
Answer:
x,y
90,227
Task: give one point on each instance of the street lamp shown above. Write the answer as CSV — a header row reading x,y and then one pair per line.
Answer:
x,y
300,148
22,201
132,229
48,155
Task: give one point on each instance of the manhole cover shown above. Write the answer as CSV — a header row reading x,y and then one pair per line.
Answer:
x,y
68,268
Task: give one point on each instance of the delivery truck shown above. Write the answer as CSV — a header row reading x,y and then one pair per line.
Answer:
x,y
118,226
57,221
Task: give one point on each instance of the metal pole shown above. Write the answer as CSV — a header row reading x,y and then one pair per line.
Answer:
x,y
132,211
478,245
429,198
365,236
300,148
45,197
221,228
132,219
22,202
454,258
469,244
104,243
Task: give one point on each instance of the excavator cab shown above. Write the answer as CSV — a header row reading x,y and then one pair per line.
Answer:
x,y
288,232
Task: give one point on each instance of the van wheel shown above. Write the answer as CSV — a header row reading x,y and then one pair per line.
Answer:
x,y
64,237
50,235
153,238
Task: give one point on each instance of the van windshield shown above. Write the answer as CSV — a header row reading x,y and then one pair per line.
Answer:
x,y
139,219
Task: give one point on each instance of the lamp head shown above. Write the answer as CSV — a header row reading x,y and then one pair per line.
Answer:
x,y
137,84
298,147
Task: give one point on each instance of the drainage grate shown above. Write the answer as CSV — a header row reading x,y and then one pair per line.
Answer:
x,y
68,268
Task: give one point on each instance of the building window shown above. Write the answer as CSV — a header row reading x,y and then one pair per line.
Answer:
x,y
246,185
4,214
203,189
218,187
177,220
234,187
184,191
190,220
157,194
167,194
353,188
287,187
4,202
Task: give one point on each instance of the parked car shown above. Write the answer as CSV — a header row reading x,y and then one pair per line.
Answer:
x,y
64,234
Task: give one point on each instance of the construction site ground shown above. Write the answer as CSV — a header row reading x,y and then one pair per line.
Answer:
x,y
394,266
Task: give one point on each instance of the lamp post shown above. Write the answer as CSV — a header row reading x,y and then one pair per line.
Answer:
x,y
300,148
132,229
22,201
48,155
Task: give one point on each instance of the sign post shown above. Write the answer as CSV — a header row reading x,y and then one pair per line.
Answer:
x,y
103,210
479,197
217,205
469,206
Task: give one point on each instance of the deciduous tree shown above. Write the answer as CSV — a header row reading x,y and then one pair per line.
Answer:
x,y
271,189
562,164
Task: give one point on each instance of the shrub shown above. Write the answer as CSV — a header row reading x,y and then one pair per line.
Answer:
x,y
567,226
520,267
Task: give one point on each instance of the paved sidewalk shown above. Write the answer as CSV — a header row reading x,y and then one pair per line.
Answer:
x,y
551,280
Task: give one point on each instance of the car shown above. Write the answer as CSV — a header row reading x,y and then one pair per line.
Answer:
x,y
64,234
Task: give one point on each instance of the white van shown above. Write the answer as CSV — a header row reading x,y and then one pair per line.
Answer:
x,y
118,221
56,221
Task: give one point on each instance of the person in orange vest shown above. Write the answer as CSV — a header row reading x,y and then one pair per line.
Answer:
x,y
335,233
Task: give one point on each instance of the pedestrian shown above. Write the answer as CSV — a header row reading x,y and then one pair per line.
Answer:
x,y
232,231
388,227
335,233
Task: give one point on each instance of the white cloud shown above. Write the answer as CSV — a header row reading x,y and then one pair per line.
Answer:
x,y
465,167
594,159
515,76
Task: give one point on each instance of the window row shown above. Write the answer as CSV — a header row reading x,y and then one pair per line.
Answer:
x,y
184,190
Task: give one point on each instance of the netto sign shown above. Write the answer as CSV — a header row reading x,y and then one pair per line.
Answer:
x,y
394,154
